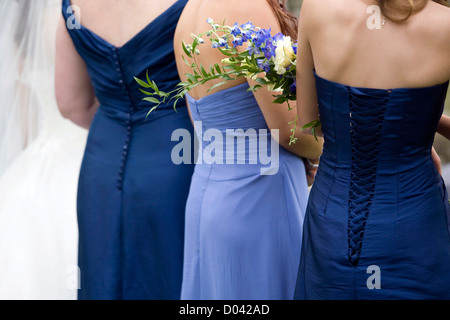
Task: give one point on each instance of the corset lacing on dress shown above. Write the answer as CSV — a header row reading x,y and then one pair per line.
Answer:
x,y
366,121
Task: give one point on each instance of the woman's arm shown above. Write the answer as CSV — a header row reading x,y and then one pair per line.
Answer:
x,y
307,106
444,126
436,160
74,92
278,116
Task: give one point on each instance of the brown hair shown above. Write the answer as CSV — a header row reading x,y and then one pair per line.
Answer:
x,y
400,11
288,21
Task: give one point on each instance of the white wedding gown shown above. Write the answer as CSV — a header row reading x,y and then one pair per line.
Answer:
x,y
40,158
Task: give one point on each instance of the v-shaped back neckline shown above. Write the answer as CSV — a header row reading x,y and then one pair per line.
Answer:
x,y
133,38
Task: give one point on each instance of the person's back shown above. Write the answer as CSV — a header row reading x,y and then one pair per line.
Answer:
x,y
354,44
119,21
131,232
378,204
261,14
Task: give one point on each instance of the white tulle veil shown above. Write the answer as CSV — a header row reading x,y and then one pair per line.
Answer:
x,y
40,159
27,41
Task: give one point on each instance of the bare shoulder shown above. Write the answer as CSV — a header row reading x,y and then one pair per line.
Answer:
x,y
437,19
441,13
326,7
196,12
326,12
444,20
82,3
259,12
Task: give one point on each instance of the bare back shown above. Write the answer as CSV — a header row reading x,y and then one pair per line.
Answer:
x,y
193,20
349,48
260,13
120,20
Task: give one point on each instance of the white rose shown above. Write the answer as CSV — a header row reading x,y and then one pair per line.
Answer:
x,y
284,54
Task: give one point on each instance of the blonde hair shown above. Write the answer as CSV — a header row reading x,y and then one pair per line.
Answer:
x,y
400,11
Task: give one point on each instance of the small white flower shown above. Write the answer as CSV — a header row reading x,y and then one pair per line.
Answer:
x,y
284,55
271,86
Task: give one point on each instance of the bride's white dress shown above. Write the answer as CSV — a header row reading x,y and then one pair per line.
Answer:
x,y
40,158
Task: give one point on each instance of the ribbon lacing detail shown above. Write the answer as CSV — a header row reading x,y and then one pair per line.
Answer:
x,y
366,122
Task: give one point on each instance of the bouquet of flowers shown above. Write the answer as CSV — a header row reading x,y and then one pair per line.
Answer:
x,y
268,60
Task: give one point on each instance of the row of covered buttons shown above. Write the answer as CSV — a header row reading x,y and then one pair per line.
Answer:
x,y
118,69
125,152
128,123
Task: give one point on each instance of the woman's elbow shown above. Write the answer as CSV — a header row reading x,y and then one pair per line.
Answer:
x,y
65,111
79,113
303,145
66,107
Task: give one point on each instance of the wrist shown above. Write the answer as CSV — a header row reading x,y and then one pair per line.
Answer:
x,y
313,164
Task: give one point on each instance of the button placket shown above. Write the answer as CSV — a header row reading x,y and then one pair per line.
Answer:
x,y
125,150
118,68
128,123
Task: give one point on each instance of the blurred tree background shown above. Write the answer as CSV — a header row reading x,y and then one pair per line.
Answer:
x,y
441,144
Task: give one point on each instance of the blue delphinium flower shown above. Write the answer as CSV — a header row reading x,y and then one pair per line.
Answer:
x,y
247,35
278,36
236,30
253,49
248,29
294,46
219,43
269,50
294,87
264,65
237,42
223,43
248,26
211,22
261,36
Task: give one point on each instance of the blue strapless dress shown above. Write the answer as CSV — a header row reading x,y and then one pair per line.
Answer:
x,y
377,223
243,221
132,197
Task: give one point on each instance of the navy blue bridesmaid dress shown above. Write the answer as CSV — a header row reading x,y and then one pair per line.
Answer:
x,y
131,196
377,224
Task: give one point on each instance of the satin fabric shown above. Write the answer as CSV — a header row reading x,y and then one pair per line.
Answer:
x,y
377,222
131,196
243,217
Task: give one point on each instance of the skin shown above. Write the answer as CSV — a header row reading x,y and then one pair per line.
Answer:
x,y
343,46
117,25
193,20
444,130
444,126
